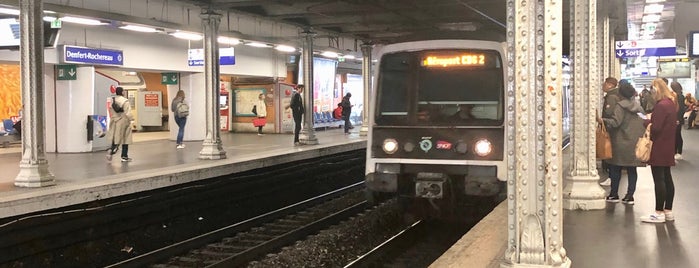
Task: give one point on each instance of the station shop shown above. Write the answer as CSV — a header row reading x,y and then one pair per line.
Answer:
x,y
152,69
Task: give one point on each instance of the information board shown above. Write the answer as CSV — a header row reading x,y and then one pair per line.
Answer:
x,y
245,98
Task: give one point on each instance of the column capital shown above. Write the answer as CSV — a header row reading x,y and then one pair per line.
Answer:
x,y
209,14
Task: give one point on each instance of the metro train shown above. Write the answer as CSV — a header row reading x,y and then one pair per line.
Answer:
x,y
437,123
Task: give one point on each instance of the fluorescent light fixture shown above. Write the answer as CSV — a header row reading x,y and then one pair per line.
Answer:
x,y
651,18
137,28
653,8
187,36
256,44
654,1
349,56
49,18
228,40
82,21
284,48
9,11
329,54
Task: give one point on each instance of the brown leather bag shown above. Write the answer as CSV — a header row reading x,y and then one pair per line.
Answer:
x,y
603,144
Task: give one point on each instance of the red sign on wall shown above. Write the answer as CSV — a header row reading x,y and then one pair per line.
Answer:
x,y
151,100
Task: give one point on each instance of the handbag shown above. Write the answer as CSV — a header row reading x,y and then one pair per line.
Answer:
x,y
603,143
644,146
259,122
254,109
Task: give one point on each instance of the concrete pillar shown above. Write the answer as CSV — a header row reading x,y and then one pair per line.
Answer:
x,y
366,76
581,190
535,223
33,168
308,134
212,147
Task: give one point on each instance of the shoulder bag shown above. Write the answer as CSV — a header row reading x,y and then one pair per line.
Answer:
x,y
644,145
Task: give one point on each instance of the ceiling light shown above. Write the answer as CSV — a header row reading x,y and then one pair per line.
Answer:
x,y
651,18
349,56
228,40
82,21
187,36
9,11
329,54
49,18
284,48
137,28
653,8
654,1
256,44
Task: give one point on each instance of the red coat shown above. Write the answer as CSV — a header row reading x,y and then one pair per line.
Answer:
x,y
662,133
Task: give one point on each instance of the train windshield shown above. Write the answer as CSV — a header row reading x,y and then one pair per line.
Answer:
x,y
441,88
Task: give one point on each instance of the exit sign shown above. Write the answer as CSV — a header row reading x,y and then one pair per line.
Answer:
x,y
66,72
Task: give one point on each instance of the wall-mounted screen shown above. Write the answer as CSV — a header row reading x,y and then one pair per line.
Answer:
x,y
693,44
10,31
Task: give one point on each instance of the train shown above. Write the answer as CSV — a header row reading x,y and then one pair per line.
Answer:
x,y
438,122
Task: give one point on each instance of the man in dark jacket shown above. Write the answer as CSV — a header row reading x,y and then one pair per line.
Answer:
x,y
611,97
347,111
297,111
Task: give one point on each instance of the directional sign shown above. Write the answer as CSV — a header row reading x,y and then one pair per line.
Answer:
x,y
645,48
169,79
73,54
66,72
195,57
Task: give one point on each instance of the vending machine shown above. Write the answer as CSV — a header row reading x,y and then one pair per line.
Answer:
x,y
224,108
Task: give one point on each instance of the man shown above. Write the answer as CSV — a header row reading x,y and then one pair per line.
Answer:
x,y
120,126
647,100
347,111
297,110
611,98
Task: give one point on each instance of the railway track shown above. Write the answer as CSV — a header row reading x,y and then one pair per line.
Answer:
x,y
237,244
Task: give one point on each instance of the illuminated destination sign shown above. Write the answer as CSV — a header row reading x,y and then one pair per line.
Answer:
x,y
458,60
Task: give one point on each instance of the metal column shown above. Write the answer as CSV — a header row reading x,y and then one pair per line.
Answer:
x,y
366,77
212,147
581,188
33,168
308,134
535,223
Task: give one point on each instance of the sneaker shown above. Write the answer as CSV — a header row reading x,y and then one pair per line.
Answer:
x,y
109,157
654,218
180,146
260,134
297,143
678,157
669,216
627,200
612,199
606,182
126,159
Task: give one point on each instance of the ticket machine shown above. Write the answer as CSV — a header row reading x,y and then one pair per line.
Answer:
x,y
224,108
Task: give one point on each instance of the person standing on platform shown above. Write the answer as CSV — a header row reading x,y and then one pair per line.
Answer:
x,y
662,132
691,104
347,111
120,126
677,88
625,127
261,109
611,97
180,110
297,111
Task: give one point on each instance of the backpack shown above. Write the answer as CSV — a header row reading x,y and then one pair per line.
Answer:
x,y
182,110
116,107
337,113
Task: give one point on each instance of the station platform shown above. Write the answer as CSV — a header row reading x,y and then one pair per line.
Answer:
x,y
613,236
85,177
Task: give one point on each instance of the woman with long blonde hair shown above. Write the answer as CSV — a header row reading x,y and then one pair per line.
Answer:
x,y
662,155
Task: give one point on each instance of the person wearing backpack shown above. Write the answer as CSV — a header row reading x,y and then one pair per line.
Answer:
x,y
180,111
120,126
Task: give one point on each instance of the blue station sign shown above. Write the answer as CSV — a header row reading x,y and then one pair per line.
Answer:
x,y
645,48
96,56
226,56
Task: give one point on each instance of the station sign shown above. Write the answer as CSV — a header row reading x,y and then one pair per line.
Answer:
x,y
66,72
226,56
96,56
645,48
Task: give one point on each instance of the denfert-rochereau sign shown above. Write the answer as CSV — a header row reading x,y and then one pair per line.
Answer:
x,y
96,56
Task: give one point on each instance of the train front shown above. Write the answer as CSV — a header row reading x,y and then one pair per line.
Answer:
x,y
438,121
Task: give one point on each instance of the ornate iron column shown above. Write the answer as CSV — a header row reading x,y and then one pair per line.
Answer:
x,y
607,51
535,224
581,188
212,147
308,134
366,76
33,168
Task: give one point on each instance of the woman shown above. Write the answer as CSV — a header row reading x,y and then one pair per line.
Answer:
x,y
691,104
261,110
120,126
180,120
662,132
677,88
625,127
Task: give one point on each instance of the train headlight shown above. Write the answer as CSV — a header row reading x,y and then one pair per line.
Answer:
x,y
483,147
390,146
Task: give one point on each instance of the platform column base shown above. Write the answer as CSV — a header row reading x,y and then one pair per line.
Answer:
x,y
566,264
583,193
308,136
364,130
212,151
34,174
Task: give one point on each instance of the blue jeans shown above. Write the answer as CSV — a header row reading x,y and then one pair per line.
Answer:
x,y
181,121
615,176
